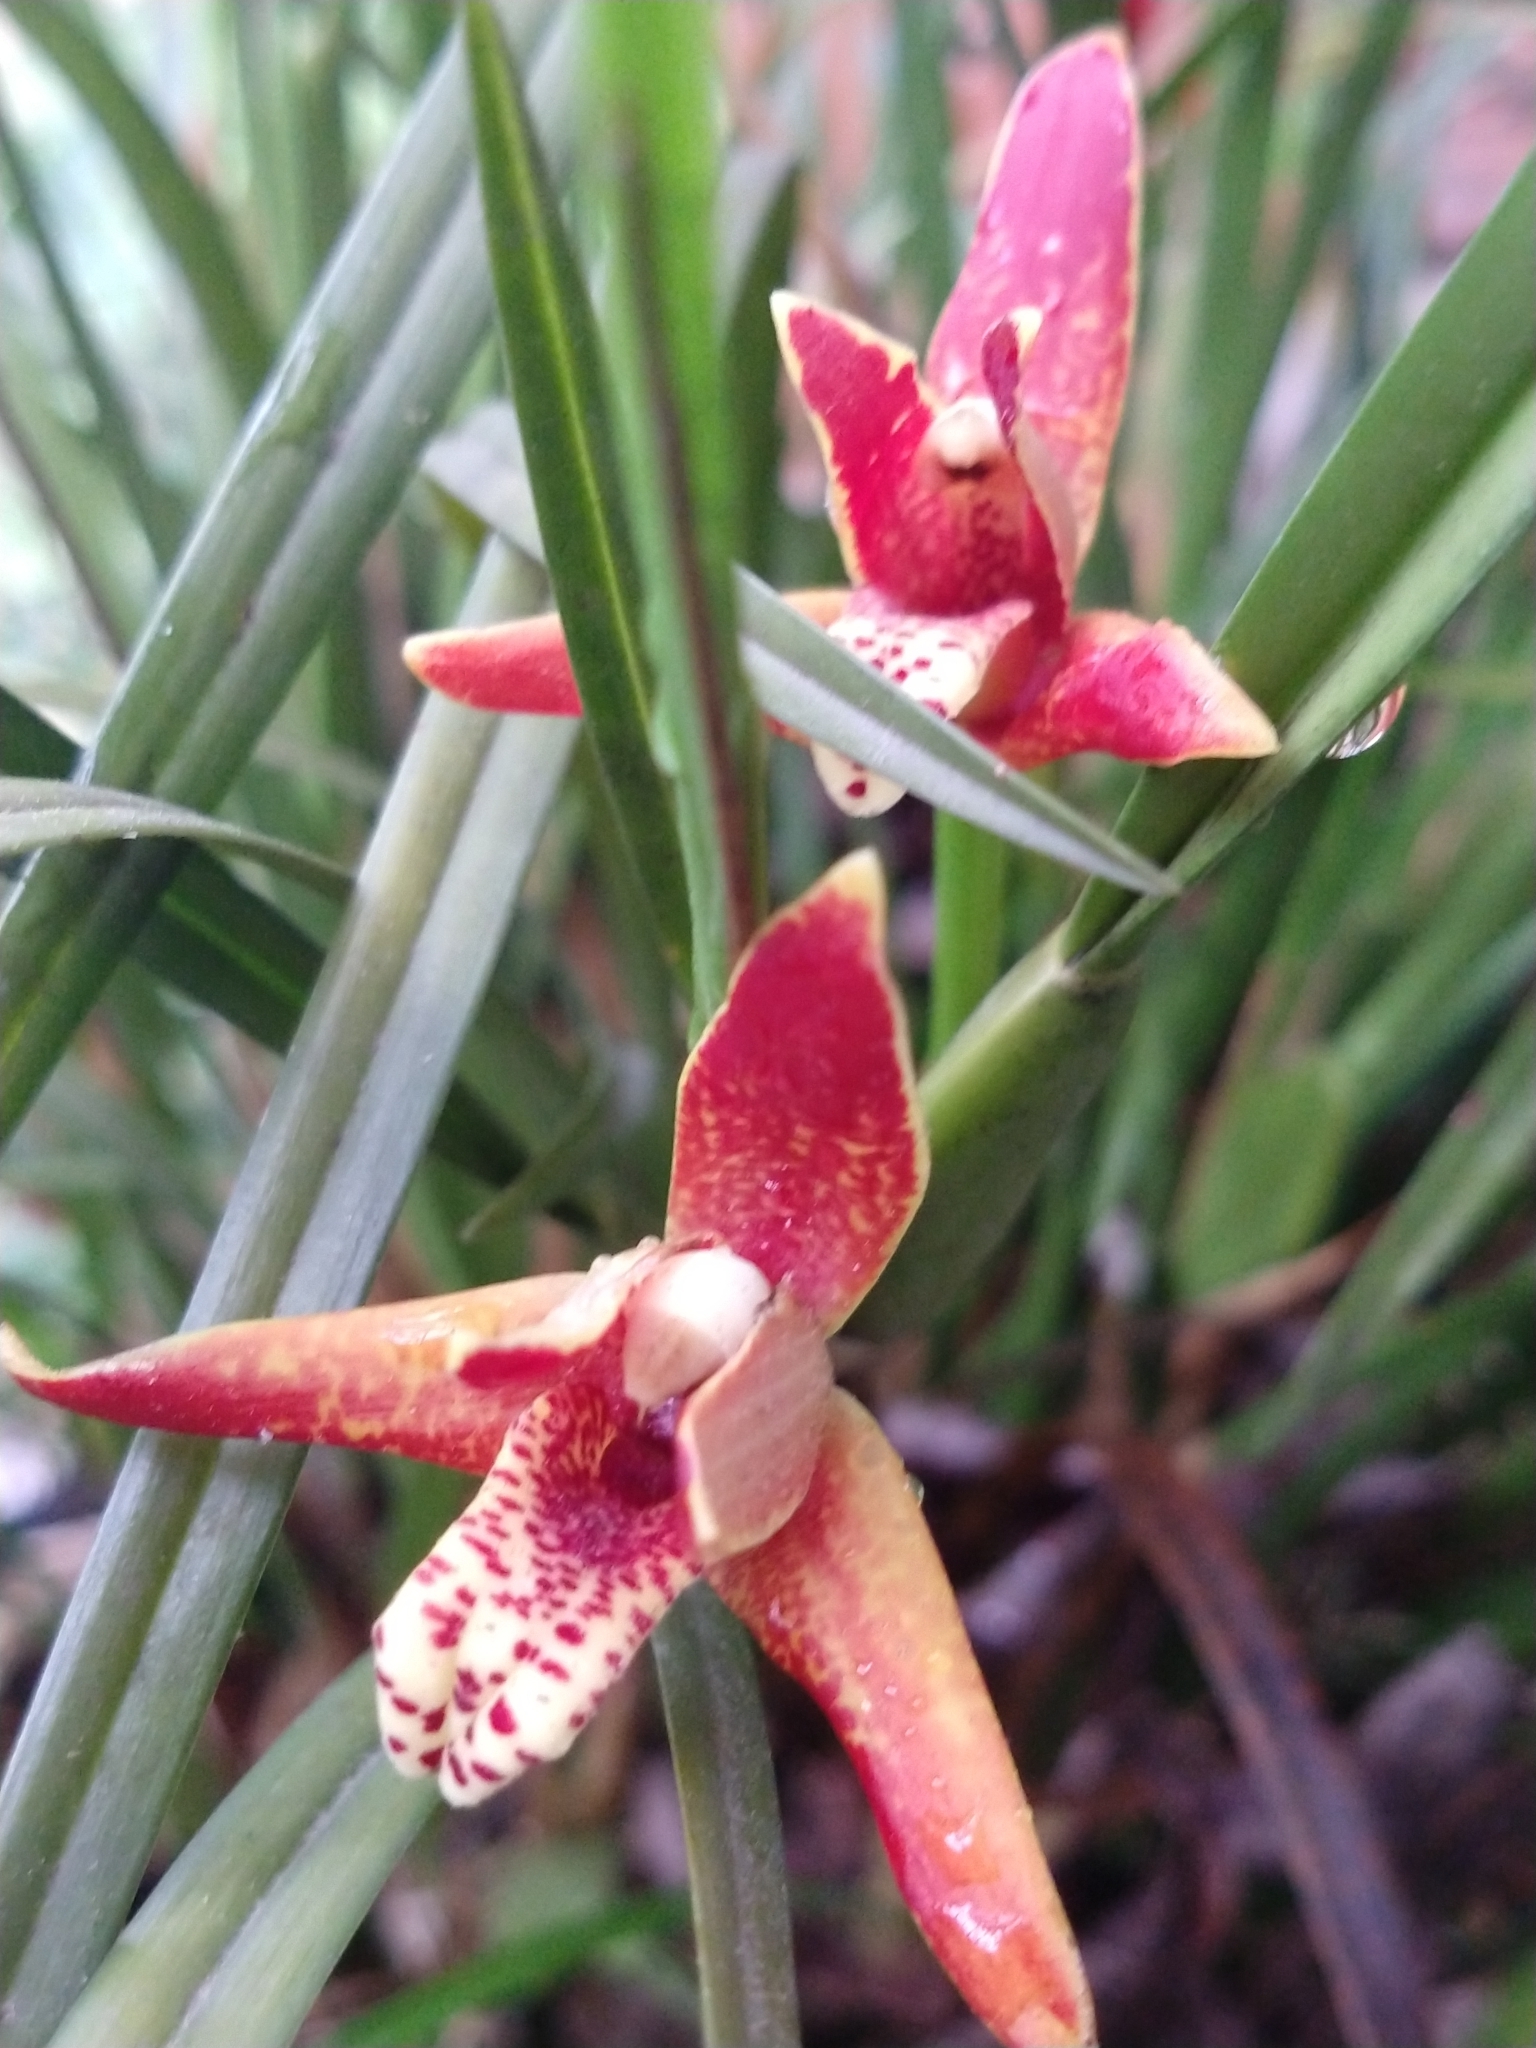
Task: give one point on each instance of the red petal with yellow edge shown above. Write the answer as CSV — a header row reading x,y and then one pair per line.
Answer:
x,y
520,666
799,1140
1058,231
851,1599
371,1379
1146,693
933,512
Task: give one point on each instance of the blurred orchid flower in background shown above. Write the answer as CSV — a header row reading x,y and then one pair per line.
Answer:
x,y
671,1414
965,494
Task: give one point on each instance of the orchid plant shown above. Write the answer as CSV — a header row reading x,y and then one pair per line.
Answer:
x,y
965,494
669,1414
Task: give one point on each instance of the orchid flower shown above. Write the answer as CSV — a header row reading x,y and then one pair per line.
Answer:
x,y
671,1414
965,494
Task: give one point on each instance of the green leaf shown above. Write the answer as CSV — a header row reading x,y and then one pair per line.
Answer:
x,y
189,1525
1261,1188
388,332
556,370
180,211
656,88
1476,1165
37,813
509,1973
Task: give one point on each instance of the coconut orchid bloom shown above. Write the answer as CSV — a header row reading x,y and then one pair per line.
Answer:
x,y
671,1414
965,493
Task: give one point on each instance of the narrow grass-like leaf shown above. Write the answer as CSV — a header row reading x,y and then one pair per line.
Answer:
x,y
1461,1185
93,522
184,1537
160,510
1329,1837
1216,394
36,813
557,379
654,64
807,681
219,943
509,1973
378,350
759,189
180,211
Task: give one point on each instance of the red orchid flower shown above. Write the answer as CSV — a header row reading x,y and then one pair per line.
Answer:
x,y
965,494
668,1414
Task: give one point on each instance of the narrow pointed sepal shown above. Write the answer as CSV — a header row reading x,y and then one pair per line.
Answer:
x,y
372,1379
851,1599
927,502
521,665
800,1143
1145,693
498,1647
1057,231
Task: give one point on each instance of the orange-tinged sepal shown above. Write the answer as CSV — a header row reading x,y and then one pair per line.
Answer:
x,y
521,665
800,1143
373,1379
1116,685
851,1599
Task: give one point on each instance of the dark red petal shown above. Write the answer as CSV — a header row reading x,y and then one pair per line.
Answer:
x,y
519,666
1146,693
851,1599
799,1140
375,1379
1057,231
747,1438
931,538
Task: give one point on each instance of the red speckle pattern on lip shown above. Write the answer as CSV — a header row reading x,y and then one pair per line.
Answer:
x,y
799,1140
499,1645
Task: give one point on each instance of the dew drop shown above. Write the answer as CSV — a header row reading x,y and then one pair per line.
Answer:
x,y
1365,732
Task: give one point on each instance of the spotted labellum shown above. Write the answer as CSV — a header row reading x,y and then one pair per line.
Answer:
x,y
670,1414
965,491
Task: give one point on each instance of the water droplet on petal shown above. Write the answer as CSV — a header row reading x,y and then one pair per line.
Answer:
x,y
1375,725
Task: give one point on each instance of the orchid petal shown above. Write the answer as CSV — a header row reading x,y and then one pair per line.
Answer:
x,y
1057,230
747,1439
374,1379
521,665
800,1144
1146,693
928,507
495,1651
851,1599
940,659
583,1330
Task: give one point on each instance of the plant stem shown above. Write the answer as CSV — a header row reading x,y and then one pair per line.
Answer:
x,y
731,1823
969,869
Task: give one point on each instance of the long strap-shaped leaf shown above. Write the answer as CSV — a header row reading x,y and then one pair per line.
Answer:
x,y
189,1525
36,813
388,332
555,366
